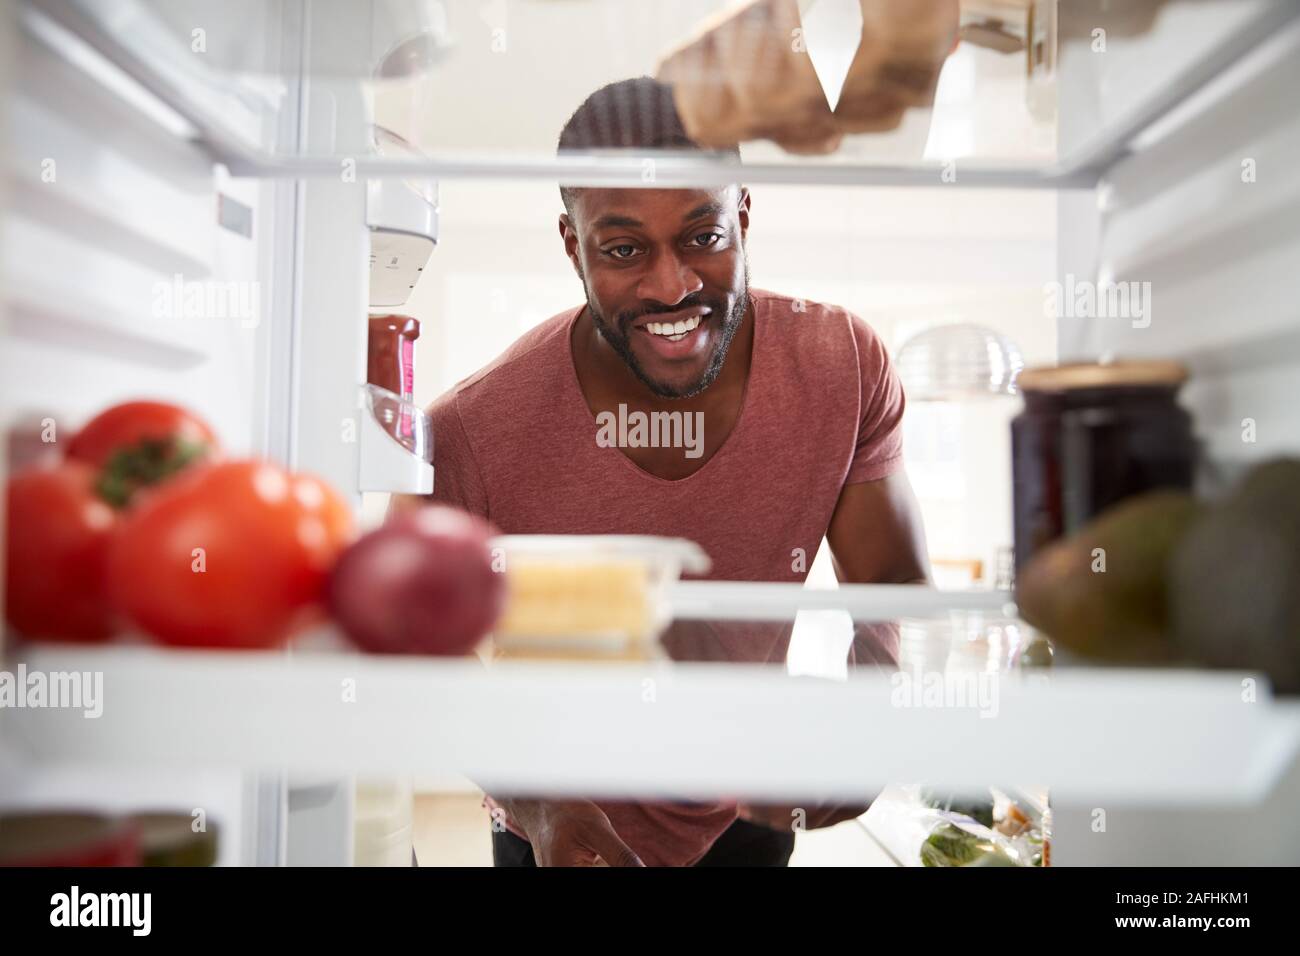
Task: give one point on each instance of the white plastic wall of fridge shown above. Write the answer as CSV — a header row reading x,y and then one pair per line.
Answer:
x,y
1120,57
119,283
1199,220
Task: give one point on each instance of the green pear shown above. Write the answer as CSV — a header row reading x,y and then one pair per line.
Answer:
x,y
1101,591
1234,582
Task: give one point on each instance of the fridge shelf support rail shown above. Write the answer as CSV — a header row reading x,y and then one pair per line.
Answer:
x,y
765,601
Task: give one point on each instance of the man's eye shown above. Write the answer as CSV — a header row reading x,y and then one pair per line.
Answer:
x,y
622,252
706,239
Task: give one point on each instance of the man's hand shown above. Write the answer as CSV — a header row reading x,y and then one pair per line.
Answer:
x,y
745,76
570,833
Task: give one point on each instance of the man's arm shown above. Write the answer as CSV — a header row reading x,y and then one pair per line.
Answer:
x,y
876,535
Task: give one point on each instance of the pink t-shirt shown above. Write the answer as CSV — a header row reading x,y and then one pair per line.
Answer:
x,y
517,444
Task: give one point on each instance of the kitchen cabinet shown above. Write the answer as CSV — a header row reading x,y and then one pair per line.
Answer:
x,y
157,116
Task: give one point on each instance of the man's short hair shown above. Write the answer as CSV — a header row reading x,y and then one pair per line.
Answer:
x,y
635,114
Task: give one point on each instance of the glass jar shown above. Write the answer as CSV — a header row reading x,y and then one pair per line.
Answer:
x,y
1090,436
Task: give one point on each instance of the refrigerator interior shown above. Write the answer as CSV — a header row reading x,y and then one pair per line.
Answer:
x,y
141,170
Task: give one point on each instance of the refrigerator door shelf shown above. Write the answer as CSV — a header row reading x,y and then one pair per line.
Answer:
x,y
396,445
397,260
403,225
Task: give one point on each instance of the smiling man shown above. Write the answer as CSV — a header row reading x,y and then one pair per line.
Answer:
x,y
800,440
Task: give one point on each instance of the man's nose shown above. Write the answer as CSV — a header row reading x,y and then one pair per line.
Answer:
x,y
668,280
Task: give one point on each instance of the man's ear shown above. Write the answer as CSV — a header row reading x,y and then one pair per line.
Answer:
x,y
742,207
570,236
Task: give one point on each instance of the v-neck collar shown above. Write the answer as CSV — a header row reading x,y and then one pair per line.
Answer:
x,y
590,418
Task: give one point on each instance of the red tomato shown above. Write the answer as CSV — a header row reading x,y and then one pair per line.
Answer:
x,y
137,444
228,555
56,546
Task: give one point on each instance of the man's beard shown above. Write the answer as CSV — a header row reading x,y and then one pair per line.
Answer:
x,y
617,336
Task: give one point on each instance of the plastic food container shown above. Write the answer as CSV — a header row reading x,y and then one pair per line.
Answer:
x,y
589,596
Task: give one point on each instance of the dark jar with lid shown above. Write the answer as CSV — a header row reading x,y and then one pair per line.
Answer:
x,y
1091,436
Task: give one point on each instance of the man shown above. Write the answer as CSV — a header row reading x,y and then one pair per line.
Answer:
x,y
801,416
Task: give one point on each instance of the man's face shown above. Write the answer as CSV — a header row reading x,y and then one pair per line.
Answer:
x,y
666,277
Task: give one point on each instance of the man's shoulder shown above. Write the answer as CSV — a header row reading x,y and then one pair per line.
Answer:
x,y
812,324
534,360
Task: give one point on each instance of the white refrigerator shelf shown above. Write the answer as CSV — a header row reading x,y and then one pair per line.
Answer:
x,y
136,48
669,729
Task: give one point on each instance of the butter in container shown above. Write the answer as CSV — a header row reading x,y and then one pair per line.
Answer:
x,y
585,597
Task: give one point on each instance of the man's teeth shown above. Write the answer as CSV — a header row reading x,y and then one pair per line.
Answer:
x,y
674,331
